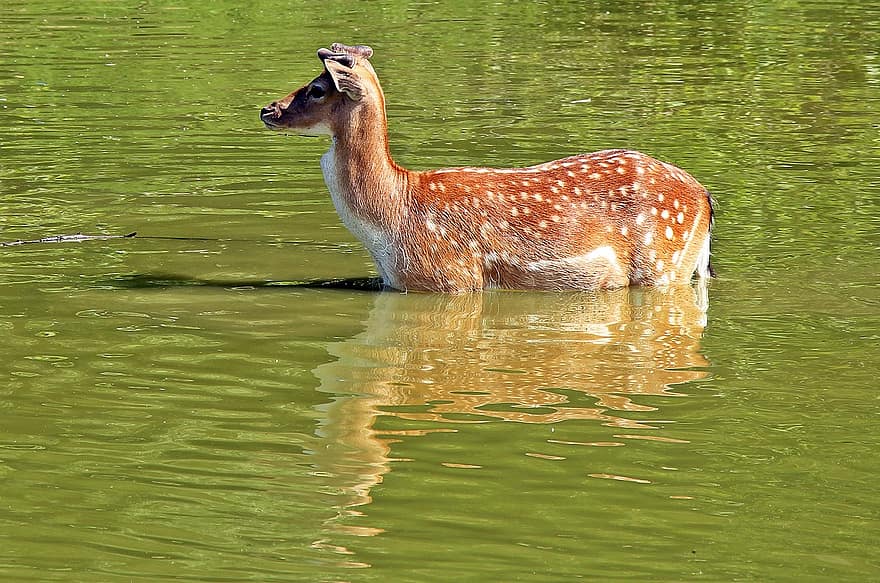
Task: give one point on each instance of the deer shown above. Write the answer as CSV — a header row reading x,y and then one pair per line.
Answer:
x,y
595,221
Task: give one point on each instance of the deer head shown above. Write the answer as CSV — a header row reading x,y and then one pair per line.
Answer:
x,y
334,97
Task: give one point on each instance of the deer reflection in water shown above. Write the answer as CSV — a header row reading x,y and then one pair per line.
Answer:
x,y
449,359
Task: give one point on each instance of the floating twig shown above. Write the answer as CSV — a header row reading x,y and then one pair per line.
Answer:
x,y
77,238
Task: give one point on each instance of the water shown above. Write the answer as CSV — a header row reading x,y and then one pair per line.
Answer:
x,y
175,406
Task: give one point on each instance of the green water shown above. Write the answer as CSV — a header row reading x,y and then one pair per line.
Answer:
x,y
166,415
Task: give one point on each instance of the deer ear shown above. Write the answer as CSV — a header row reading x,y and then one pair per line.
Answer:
x,y
345,79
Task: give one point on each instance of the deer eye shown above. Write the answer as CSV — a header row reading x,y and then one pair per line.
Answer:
x,y
316,92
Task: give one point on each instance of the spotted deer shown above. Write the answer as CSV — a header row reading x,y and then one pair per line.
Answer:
x,y
591,221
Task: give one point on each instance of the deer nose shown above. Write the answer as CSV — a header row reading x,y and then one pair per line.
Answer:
x,y
271,111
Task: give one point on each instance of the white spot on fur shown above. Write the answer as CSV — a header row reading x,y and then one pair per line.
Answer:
x,y
703,258
605,253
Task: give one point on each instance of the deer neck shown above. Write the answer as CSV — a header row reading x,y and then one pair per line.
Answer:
x,y
370,191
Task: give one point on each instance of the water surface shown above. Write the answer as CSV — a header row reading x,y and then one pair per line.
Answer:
x,y
177,406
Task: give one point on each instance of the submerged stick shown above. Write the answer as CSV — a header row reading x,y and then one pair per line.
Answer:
x,y
77,238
